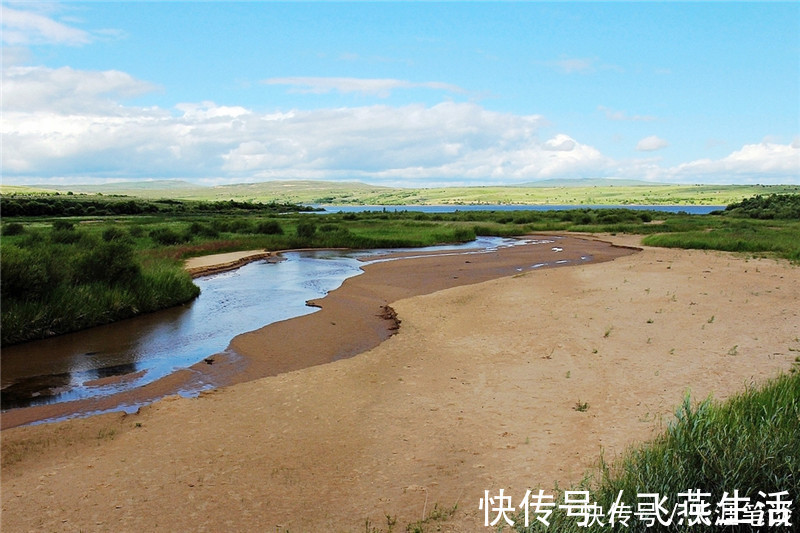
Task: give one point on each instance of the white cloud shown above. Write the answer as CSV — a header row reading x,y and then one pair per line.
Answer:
x,y
66,122
66,90
22,28
209,110
753,163
373,87
63,121
612,114
571,65
580,65
560,143
651,143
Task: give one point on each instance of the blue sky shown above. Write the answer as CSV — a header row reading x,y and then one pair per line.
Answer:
x,y
406,93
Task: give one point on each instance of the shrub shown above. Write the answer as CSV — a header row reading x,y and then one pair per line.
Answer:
x,y
65,236
115,234
328,228
196,228
15,228
108,261
306,229
464,234
167,236
269,227
22,274
63,225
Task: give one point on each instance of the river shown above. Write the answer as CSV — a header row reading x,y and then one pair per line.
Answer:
x,y
89,363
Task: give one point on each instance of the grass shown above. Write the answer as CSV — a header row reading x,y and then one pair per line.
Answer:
x,y
750,236
56,276
602,192
748,443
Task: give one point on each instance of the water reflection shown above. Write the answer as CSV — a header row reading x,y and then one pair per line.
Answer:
x,y
65,368
146,348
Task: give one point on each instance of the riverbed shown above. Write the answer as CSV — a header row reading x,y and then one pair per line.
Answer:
x,y
118,357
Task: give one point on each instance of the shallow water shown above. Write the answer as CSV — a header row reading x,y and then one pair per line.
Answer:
x,y
143,349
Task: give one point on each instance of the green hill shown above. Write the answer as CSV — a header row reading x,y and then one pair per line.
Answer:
x,y
552,192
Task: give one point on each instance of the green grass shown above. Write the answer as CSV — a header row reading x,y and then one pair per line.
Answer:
x,y
60,280
569,192
56,276
746,235
749,443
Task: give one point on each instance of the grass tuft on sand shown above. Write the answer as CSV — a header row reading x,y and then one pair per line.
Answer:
x,y
749,443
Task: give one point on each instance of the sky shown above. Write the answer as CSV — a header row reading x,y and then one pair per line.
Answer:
x,y
411,94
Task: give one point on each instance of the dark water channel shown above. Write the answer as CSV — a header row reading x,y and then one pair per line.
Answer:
x,y
149,347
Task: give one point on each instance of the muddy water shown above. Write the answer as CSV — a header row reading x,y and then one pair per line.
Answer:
x,y
108,359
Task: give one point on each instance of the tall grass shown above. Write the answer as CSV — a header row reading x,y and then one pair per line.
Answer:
x,y
749,443
783,241
52,285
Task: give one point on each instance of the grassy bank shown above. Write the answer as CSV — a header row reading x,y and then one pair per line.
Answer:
x,y
63,273
749,443
65,279
69,273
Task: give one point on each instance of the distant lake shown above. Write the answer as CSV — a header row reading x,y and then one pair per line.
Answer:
x,y
690,209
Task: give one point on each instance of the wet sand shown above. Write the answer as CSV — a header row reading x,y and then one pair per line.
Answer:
x,y
475,392
352,319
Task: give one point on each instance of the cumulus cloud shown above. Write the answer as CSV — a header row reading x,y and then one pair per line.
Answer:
x,y
651,144
61,122
560,143
23,28
372,87
756,163
66,90
67,122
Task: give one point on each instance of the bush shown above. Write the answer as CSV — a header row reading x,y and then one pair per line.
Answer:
x,y
464,234
776,206
15,228
65,236
136,231
115,234
269,227
306,229
23,276
63,225
167,236
111,262
203,230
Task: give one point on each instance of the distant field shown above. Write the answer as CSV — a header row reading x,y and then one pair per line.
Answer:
x,y
578,192
72,261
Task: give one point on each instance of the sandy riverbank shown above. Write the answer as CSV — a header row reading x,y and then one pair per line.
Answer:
x,y
476,392
211,264
352,319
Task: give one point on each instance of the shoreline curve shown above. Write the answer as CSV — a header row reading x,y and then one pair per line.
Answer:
x,y
352,319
